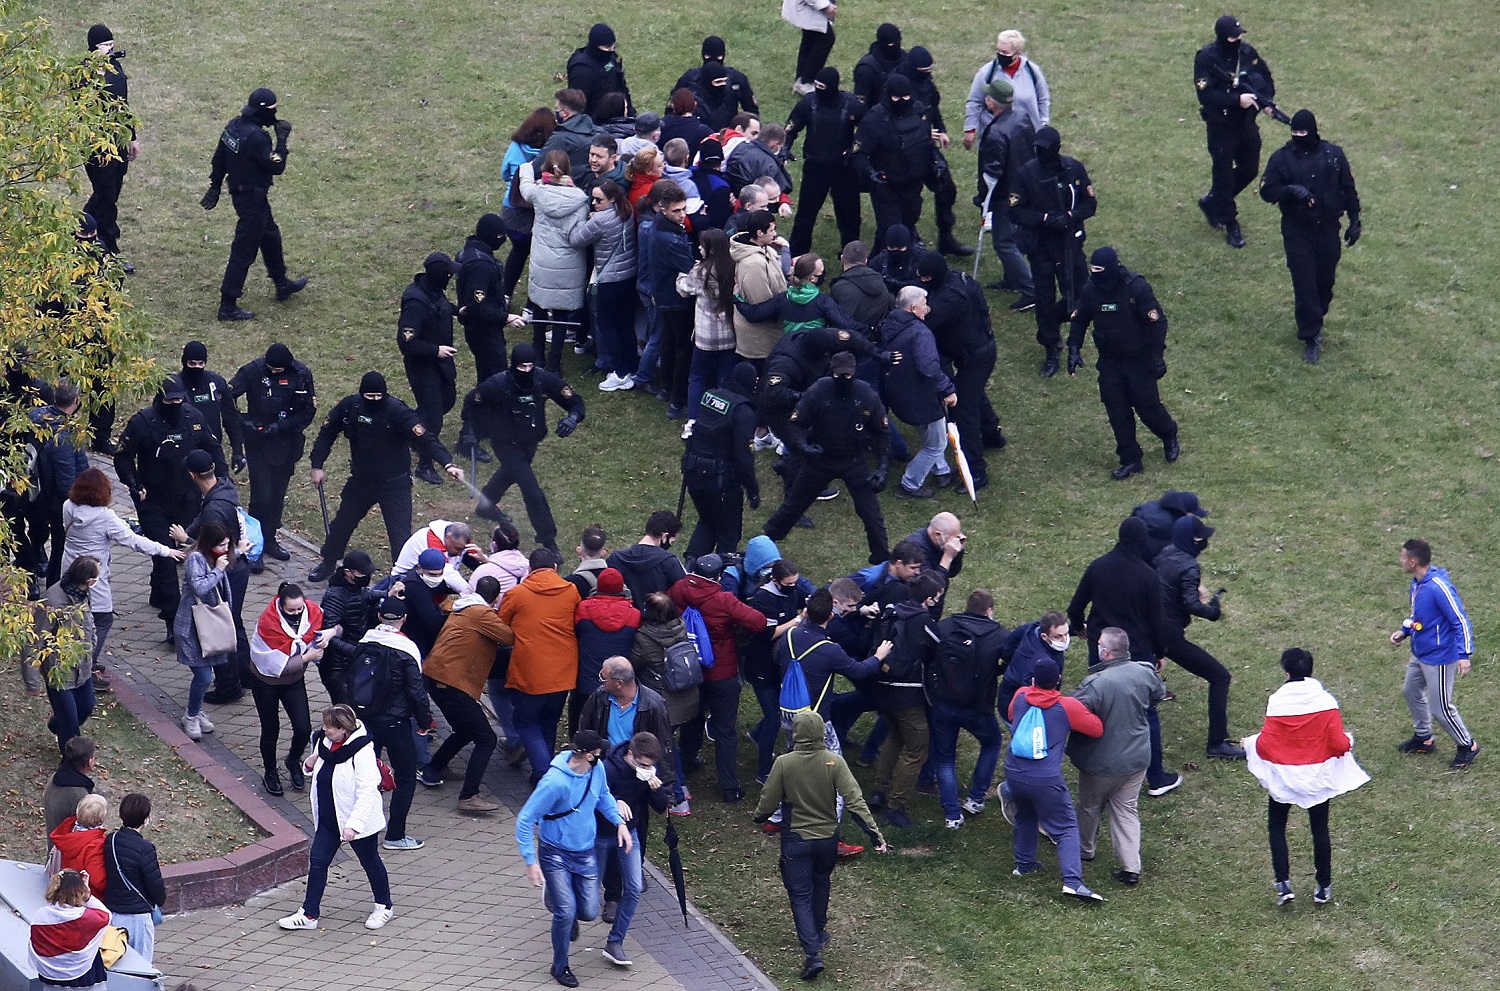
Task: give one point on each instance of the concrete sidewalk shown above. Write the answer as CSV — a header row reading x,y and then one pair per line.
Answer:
x,y
465,914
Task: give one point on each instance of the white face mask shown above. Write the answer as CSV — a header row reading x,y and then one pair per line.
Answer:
x,y
1066,640
431,581
645,773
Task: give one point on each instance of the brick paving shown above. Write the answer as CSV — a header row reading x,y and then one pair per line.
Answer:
x,y
465,914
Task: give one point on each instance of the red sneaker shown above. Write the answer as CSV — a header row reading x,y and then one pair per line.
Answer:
x,y
847,850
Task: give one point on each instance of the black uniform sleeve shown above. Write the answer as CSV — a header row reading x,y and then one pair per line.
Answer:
x,y
491,309
1259,73
257,150
229,415
1152,317
1346,184
867,141
1187,593
422,440
409,327
218,165
1024,210
126,454
1212,85
880,435
1082,596
1083,315
1086,204
799,118
796,424
562,394
328,433
1276,178
304,404
742,432
207,441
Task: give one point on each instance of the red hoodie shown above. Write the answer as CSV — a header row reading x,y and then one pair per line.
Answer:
x,y
722,614
82,850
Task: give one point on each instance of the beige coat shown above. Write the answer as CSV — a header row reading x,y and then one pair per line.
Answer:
x,y
758,271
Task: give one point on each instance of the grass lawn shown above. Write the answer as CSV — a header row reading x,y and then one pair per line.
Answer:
x,y
190,820
1315,475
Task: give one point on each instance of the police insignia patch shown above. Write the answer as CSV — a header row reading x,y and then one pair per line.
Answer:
x,y
479,295
1015,198
774,380
1153,315
567,392
843,335
407,333
1202,84
418,430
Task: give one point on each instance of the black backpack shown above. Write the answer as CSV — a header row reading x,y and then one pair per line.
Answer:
x,y
372,678
683,669
955,675
903,665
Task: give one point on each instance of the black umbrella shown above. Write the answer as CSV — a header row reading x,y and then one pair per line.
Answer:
x,y
674,861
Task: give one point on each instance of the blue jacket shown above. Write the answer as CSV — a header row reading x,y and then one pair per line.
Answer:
x,y
915,387
662,254
64,462
560,791
1444,635
1024,647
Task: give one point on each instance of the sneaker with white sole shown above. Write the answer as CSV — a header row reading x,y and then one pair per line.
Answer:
x,y
379,917
765,442
1284,893
954,823
971,806
615,382
404,843
1084,894
615,953
687,429
297,920
204,726
1323,894
1167,788
190,727
682,808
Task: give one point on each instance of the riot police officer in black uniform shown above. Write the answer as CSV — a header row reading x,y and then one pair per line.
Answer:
x,y
835,423
959,318
1311,181
1130,331
245,154
209,394
1234,84
917,67
511,409
483,311
829,116
874,68
1050,199
279,406
106,171
425,337
150,464
720,462
738,84
382,430
893,155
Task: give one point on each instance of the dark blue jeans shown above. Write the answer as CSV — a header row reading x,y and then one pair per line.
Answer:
x,y
807,872
536,718
721,704
708,370
765,732
572,893
614,326
325,843
947,720
71,708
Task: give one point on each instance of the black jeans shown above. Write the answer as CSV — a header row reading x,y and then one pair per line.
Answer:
x,y
970,377
268,700
515,469
1195,660
542,321
433,387
1234,152
807,872
895,203
819,182
271,468
229,677
394,735
1312,256
469,724
676,353
255,233
1127,388
1057,278
720,702
358,497
107,180
812,53
156,519
814,478
1281,861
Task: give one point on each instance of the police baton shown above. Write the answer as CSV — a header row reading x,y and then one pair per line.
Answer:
x,y
323,503
682,496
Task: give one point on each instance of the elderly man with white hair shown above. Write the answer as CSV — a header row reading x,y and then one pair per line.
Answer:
x,y
1032,97
920,391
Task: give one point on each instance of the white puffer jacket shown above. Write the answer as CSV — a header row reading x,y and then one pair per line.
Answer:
x,y
559,271
356,785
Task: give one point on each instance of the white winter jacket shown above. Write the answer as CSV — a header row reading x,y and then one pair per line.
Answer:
x,y
356,784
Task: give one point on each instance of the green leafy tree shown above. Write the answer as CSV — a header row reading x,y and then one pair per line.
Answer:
x,y
64,312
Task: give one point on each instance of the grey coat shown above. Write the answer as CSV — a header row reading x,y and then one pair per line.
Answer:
x,y
52,612
93,530
201,582
614,245
1119,693
559,271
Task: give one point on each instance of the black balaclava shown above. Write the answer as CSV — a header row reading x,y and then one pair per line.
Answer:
x,y
194,351
917,64
713,49
490,230
437,270
826,84
932,267
898,249
601,35
841,367
1303,120
261,107
98,35
1225,28
1048,145
171,413
523,354
743,379
1109,260
278,355
888,40
898,94
372,382
1134,538
714,81
1190,535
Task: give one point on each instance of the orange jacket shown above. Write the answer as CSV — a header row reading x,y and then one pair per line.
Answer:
x,y
539,612
465,650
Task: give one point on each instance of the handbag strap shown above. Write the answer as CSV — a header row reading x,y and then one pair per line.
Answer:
x,y
114,854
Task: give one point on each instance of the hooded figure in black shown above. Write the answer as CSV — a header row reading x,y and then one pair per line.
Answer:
x,y
717,104
425,336
714,53
150,463
382,431
106,171
1310,180
897,264
719,463
251,163
830,116
876,66
959,318
1234,83
1184,597
1051,197
209,394
917,66
482,303
895,157
597,69
1130,333
510,408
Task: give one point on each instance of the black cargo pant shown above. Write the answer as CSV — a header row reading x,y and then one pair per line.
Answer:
x,y
819,182
1312,256
515,469
1127,388
720,506
1234,152
254,233
358,497
814,477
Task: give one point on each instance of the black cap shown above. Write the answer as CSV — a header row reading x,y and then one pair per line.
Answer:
x,y
1047,139
372,382
586,740
1106,258
713,48
194,351
646,123
438,265
172,388
199,462
1228,27
359,561
392,608
709,566
931,265
842,363
278,355
261,98
522,354
710,150
98,35
919,58
897,85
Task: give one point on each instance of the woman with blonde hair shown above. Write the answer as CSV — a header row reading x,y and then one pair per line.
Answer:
x,y
346,808
66,934
78,842
642,173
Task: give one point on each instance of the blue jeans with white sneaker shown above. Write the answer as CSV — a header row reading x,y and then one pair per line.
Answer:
x,y
930,457
608,845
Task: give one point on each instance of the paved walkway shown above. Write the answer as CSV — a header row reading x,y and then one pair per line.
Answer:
x,y
465,914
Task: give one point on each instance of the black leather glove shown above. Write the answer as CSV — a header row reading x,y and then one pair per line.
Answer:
x,y
1056,221
237,463
755,500
1075,360
567,425
1159,367
878,479
283,130
210,198
1299,193
877,180
1352,234
812,451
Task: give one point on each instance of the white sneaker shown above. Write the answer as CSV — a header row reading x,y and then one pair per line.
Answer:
x,y
687,429
953,823
297,920
204,726
766,441
378,918
614,382
190,727
972,807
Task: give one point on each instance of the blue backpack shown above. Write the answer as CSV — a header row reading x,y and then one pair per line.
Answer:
x,y
795,695
697,631
1029,739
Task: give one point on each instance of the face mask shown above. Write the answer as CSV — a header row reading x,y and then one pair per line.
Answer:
x,y
170,412
817,280
557,116
1306,142
360,581
292,619
1004,60
431,581
843,385
645,773
1066,641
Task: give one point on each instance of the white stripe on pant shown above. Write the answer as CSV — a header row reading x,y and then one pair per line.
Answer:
x,y
1433,683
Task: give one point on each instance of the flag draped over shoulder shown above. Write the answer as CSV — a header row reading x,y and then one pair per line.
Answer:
x,y
277,649
1302,756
